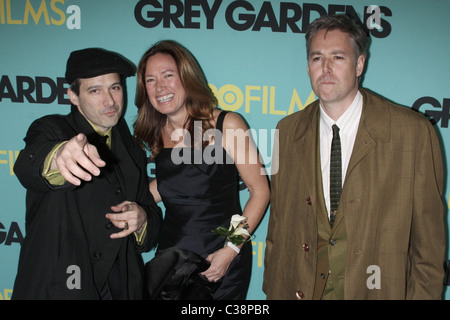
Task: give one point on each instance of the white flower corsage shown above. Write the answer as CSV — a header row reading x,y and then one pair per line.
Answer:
x,y
234,235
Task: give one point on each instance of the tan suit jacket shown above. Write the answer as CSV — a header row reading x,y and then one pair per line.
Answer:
x,y
391,198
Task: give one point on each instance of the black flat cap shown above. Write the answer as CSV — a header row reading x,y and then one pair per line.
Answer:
x,y
93,62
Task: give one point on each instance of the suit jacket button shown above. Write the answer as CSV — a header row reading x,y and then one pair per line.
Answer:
x,y
108,225
97,255
299,294
308,201
306,247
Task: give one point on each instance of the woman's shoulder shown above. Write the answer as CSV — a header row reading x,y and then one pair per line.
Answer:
x,y
231,120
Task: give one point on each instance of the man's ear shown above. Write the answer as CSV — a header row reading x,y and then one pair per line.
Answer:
x,y
73,97
360,65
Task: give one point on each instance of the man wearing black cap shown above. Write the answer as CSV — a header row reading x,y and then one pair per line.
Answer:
x,y
90,214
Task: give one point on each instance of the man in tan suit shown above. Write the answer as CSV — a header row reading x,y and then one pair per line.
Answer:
x,y
386,238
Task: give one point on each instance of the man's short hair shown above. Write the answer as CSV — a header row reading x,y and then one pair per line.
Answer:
x,y
343,23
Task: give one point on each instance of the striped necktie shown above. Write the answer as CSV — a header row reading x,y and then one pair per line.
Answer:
x,y
335,173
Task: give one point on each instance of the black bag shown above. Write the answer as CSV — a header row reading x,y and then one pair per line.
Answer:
x,y
174,274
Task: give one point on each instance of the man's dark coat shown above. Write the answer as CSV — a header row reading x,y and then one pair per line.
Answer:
x,y
67,234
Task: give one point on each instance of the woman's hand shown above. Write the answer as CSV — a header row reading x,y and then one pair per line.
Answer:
x,y
220,261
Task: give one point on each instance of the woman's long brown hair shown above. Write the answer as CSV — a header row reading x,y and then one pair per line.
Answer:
x,y
200,100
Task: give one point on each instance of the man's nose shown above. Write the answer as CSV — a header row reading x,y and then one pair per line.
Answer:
x,y
108,99
326,66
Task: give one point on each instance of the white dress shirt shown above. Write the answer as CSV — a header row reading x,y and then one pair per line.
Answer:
x,y
348,124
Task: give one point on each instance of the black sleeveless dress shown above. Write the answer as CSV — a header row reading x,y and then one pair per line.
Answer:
x,y
198,198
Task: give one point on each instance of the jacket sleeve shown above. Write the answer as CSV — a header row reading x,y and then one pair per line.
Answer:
x,y
427,243
42,136
153,211
154,222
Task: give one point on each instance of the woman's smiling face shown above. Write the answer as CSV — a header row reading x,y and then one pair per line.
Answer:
x,y
163,84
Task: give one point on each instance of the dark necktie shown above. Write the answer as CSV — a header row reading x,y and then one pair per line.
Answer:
x,y
102,147
335,173
103,139
104,151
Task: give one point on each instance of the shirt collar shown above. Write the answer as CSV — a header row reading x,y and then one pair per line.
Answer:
x,y
99,132
345,121
103,134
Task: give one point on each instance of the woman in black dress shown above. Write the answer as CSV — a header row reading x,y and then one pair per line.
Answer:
x,y
199,153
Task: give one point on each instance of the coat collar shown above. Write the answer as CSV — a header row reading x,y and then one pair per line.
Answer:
x,y
375,119
83,126
376,116
374,127
81,123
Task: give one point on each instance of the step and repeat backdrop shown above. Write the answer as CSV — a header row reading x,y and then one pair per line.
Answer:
x,y
252,52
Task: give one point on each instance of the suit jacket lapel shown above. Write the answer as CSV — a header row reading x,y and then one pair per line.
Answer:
x,y
374,126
